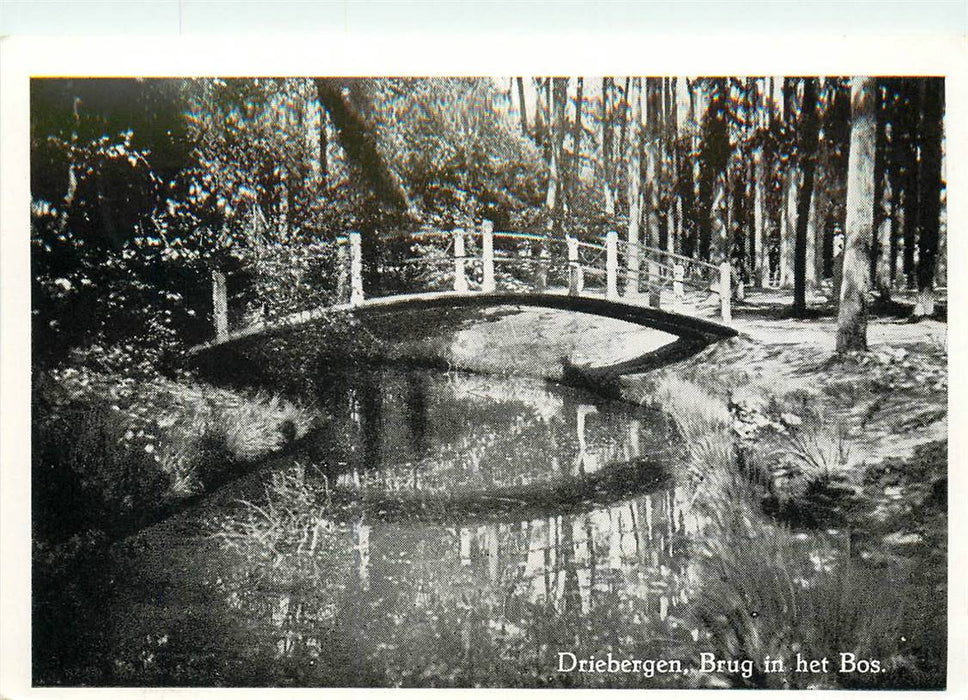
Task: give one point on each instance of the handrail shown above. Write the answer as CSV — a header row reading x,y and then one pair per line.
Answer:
x,y
525,236
638,265
675,256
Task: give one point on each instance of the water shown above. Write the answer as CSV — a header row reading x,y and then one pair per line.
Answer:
x,y
442,529
419,436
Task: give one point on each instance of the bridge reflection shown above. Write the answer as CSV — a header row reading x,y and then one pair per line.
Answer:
x,y
407,432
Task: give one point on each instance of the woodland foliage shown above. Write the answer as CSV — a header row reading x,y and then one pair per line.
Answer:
x,y
140,187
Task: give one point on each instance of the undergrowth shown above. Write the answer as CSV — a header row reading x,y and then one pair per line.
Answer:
x,y
784,569
112,451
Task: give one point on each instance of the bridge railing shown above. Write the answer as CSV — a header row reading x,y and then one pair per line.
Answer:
x,y
483,260
270,281
664,274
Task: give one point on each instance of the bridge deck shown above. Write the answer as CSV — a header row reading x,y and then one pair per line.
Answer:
x,y
686,327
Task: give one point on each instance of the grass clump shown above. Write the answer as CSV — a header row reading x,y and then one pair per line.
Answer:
x,y
804,547
112,451
769,591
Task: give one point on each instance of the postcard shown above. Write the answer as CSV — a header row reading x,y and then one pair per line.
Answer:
x,y
481,377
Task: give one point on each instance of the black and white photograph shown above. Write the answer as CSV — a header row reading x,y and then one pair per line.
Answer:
x,y
620,381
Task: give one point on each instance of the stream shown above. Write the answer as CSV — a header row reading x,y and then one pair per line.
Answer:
x,y
442,528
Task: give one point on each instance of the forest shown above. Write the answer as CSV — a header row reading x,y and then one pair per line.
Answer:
x,y
140,186
445,497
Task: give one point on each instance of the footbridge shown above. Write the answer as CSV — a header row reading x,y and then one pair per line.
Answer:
x,y
481,268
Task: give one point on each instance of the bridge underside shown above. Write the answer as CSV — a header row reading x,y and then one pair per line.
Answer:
x,y
695,331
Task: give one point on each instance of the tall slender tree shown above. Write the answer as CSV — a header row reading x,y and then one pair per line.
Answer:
x,y
714,159
929,191
522,105
574,170
807,147
791,177
608,188
878,249
634,180
852,313
909,118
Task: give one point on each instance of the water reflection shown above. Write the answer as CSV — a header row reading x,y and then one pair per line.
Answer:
x,y
296,588
451,433
404,603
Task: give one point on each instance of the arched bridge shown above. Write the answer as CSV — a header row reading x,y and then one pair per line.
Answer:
x,y
659,289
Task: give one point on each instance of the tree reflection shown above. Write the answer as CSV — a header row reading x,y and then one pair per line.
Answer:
x,y
402,432
324,590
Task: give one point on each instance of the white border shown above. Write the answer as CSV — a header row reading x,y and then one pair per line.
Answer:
x,y
423,54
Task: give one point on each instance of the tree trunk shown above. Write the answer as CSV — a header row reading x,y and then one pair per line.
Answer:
x,y
719,221
323,147
788,225
852,315
883,236
522,106
714,158
911,115
574,175
554,197
676,207
761,265
687,181
885,204
929,186
653,167
836,145
359,144
880,169
763,110
808,160
540,130
815,229
623,111
608,190
897,225
634,179
895,176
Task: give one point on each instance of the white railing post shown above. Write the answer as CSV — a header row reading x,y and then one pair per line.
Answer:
x,y
220,305
654,283
460,278
633,270
487,244
342,265
724,292
611,265
356,269
540,283
678,275
576,280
